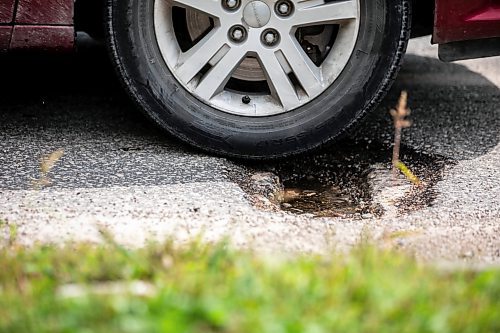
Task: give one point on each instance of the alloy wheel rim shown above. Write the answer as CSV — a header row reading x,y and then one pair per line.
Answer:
x,y
256,57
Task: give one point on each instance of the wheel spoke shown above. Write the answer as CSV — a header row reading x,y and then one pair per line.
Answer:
x,y
217,77
320,12
210,7
191,62
279,82
308,74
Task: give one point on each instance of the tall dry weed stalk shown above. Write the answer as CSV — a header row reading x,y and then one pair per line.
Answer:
x,y
400,118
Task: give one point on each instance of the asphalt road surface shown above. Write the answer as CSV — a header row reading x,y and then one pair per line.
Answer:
x,y
121,174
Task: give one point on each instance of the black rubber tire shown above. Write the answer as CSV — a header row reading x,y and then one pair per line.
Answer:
x,y
384,32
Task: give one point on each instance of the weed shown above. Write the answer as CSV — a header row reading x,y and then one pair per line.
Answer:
x,y
47,163
408,173
400,118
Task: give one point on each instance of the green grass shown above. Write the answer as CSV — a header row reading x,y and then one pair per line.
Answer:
x,y
205,288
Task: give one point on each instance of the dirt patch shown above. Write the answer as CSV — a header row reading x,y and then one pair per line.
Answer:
x,y
336,183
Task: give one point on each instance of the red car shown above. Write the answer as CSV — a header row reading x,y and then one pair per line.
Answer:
x,y
255,78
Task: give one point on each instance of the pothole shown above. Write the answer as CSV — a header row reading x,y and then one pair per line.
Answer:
x,y
313,197
352,181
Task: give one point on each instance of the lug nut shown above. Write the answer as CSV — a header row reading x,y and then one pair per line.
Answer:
x,y
231,4
284,8
237,34
270,37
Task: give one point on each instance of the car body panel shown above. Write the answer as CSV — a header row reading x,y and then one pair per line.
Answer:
x,y
5,33
460,20
45,12
38,24
7,11
43,37
6,19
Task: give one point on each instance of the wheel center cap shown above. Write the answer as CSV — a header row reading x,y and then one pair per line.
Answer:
x,y
257,14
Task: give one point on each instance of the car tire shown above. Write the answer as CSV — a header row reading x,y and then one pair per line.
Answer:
x,y
369,70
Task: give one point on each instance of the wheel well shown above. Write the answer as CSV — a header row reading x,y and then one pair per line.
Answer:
x,y
423,17
89,17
